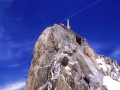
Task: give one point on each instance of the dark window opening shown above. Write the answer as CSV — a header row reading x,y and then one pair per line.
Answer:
x,y
86,80
78,40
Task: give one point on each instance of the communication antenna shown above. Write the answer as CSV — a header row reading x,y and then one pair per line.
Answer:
x,y
68,24
81,10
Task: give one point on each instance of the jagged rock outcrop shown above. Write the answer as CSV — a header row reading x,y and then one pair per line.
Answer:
x,y
63,60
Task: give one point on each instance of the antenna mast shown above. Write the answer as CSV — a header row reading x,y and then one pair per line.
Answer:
x,y
68,24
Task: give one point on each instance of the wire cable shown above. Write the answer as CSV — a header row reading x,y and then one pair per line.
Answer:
x,y
81,10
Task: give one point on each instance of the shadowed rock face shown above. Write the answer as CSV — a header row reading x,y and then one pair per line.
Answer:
x,y
64,61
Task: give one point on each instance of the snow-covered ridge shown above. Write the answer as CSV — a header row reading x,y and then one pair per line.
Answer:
x,y
110,71
110,83
108,67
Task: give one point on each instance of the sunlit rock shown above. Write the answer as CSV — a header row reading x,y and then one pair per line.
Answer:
x,y
63,60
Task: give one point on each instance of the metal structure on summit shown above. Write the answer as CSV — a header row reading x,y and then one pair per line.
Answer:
x,y
68,24
81,10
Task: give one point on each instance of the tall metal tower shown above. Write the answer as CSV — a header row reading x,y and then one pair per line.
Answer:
x,y
68,24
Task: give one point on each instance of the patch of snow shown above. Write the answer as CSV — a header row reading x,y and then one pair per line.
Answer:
x,y
67,68
101,63
114,74
60,45
57,70
108,67
67,48
116,69
72,61
43,86
49,86
119,79
54,62
52,73
110,83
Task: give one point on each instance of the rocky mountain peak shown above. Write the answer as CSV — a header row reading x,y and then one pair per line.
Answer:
x,y
63,60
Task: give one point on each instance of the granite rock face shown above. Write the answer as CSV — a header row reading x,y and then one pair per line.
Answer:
x,y
63,60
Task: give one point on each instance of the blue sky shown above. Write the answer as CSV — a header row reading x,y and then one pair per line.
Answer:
x,y
22,21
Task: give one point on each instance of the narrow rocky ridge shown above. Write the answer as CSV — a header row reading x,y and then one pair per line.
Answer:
x,y
63,60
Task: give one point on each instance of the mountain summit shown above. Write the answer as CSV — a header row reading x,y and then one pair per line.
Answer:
x,y
63,60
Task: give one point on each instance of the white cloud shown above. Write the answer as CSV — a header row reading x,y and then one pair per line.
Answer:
x,y
10,49
101,47
116,53
14,86
14,65
98,47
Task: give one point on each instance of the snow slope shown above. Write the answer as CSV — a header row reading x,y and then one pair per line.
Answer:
x,y
110,83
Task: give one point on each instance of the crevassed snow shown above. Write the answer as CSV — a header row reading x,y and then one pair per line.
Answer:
x,y
110,83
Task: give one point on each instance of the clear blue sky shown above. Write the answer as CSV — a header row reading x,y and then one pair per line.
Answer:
x,y
22,21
